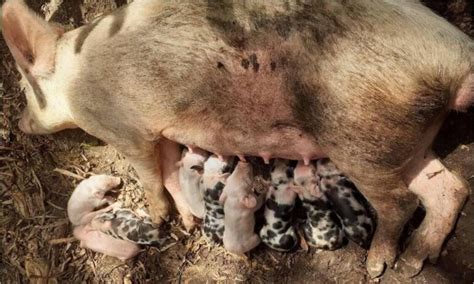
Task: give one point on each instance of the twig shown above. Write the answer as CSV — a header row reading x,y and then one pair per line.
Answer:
x,y
68,173
62,241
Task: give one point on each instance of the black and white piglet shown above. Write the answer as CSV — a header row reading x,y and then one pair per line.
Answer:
x,y
216,172
346,201
278,232
321,227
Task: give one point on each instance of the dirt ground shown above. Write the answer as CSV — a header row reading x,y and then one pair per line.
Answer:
x,y
38,173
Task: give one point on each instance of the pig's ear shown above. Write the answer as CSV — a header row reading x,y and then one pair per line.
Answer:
x,y
31,40
222,198
249,201
198,169
223,177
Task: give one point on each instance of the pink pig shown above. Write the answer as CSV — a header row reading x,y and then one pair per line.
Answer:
x,y
240,204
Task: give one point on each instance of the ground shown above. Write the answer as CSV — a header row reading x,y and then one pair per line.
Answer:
x,y
38,173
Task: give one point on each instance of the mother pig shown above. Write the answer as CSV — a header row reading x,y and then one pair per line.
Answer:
x,y
366,82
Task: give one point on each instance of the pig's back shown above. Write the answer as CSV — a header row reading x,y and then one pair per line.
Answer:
x,y
253,68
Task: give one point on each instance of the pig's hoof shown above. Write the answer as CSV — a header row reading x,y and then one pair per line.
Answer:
x,y
158,216
375,269
377,259
189,222
408,269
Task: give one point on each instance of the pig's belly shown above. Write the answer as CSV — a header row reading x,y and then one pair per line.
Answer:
x,y
288,143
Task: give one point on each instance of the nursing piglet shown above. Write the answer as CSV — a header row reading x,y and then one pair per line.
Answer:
x,y
278,232
215,174
190,174
240,204
346,201
321,228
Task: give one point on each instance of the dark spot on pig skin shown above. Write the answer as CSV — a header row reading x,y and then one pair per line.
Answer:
x,y
220,65
286,242
118,20
254,62
273,65
84,33
282,211
133,235
245,63
38,92
314,23
271,234
221,16
367,227
220,211
277,225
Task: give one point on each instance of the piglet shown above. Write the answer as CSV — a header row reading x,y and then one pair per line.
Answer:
x,y
346,201
191,168
216,171
87,196
240,204
124,224
321,228
278,232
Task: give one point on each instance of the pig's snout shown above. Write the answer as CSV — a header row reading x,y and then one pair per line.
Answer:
x,y
465,96
29,125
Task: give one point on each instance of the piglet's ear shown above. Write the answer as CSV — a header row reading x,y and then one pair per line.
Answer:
x,y
249,201
31,40
198,169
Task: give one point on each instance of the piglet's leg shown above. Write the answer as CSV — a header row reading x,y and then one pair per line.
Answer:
x,y
443,195
170,154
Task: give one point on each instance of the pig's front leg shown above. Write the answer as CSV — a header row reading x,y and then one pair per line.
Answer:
x,y
443,194
144,157
170,154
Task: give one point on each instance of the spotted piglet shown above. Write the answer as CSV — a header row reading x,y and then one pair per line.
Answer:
x,y
240,204
81,210
191,168
216,171
124,224
278,232
321,228
346,201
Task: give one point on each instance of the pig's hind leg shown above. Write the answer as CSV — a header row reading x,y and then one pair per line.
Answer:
x,y
443,194
394,205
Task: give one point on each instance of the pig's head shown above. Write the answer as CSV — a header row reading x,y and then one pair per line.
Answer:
x,y
97,186
216,166
33,43
192,161
306,182
282,181
242,174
